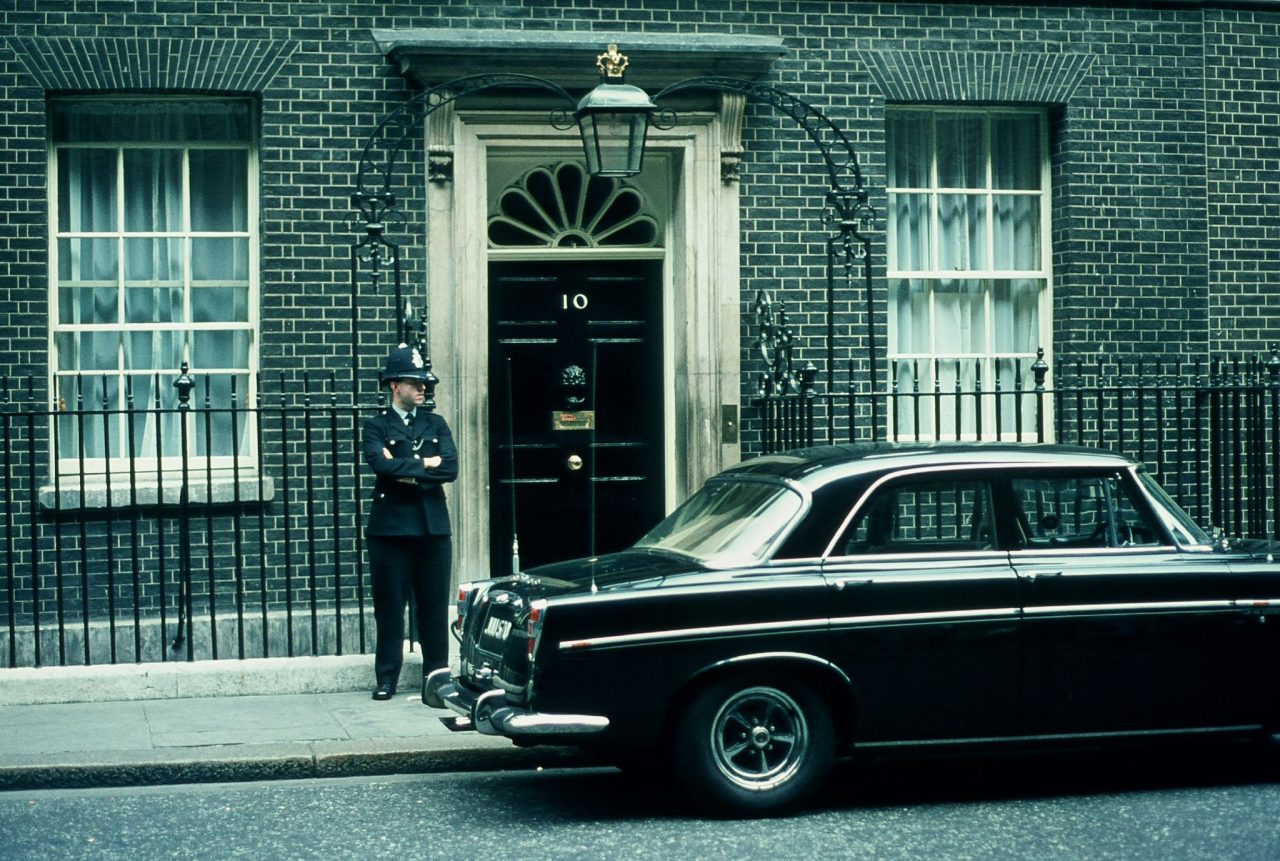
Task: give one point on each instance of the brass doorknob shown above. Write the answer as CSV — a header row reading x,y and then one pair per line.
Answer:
x,y
575,463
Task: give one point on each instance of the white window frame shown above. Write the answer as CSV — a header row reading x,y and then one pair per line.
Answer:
x,y
927,361
145,467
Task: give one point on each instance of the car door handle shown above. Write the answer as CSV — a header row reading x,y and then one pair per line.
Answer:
x,y
1042,575
839,585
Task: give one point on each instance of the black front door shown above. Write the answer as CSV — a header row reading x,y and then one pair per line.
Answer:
x,y
575,358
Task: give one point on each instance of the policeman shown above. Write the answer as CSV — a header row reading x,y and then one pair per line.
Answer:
x,y
412,455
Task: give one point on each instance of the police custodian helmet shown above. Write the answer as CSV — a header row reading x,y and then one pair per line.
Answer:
x,y
404,363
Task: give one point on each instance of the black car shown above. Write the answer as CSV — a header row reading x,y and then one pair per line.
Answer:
x,y
803,605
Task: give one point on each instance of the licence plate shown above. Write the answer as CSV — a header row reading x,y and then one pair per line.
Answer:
x,y
497,629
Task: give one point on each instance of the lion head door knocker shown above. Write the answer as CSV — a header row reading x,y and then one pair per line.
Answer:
x,y
572,416
573,380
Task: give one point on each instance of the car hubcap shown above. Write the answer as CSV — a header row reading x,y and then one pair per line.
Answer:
x,y
759,738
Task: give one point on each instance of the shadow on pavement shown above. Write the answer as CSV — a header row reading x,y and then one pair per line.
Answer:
x,y
900,780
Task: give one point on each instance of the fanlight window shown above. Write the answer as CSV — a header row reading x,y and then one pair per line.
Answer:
x,y
561,207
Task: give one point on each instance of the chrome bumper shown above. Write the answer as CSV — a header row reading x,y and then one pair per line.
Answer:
x,y
431,686
490,714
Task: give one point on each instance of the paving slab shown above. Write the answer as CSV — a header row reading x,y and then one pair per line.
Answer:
x,y
240,720
236,738
74,727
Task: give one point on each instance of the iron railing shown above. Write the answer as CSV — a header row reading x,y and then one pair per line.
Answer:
x,y
1209,431
162,552
184,546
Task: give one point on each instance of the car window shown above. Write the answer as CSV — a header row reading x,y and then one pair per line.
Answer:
x,y
1178,522
1079,511
727,522
922,514
831,505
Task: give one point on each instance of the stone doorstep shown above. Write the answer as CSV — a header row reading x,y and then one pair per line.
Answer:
x,y
176,680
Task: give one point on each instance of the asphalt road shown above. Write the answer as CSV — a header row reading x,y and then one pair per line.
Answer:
x,y
1219,803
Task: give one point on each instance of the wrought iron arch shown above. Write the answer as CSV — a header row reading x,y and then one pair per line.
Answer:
x,y
376,201
849,209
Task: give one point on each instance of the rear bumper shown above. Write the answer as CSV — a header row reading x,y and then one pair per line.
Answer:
x,y
490,714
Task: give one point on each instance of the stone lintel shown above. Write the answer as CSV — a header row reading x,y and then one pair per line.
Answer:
x,y
431,56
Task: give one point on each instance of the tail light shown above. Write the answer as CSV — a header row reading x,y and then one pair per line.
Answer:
x,y
464,595
533,627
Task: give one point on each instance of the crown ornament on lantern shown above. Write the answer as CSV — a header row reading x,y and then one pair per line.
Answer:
x,y
612,63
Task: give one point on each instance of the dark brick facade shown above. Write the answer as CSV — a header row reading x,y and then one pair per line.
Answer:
x,y
1164,143
1242,122
1164,137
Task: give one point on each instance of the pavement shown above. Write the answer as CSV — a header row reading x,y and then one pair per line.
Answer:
x,y
214,721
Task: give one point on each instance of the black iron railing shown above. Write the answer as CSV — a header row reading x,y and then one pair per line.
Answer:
x,y
149,527
215,524
1210,431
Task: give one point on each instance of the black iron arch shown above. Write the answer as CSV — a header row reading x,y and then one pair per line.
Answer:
x,y
848,209
847,200
375,199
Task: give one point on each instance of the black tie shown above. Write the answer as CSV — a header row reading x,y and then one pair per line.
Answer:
x,y
408,419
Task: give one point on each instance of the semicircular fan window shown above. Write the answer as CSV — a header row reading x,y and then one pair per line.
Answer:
x,y
561,207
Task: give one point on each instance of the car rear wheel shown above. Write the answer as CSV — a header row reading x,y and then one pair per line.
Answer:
x,y
753,748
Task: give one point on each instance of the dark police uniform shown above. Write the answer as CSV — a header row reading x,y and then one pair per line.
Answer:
x,y
408,534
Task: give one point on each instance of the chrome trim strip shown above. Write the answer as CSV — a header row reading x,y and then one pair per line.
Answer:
x,y
1257,603
1136,606
880,559
687,633
790,656
930,617
1065,736
1028,554
844,577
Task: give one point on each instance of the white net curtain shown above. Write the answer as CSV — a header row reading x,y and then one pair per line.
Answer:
x,y
153,268
968,273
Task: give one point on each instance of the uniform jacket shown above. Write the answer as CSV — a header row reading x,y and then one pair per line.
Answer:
x,y
408,498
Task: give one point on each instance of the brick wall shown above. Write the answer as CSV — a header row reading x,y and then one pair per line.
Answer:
x,y
1242,122
1163,138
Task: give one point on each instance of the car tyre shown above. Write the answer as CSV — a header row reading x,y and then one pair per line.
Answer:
x,y
753,748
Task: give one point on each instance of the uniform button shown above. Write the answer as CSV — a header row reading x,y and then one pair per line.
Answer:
x,y
394,441
417,457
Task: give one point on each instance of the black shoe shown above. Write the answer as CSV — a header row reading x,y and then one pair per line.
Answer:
x,y
384,692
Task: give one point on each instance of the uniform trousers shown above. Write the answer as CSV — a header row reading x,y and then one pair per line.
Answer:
x,y
403,567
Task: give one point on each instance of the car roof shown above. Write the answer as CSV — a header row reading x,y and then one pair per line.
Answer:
x,y
819,465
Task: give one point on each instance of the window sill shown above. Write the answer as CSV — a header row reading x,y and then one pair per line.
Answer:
x,y
220,490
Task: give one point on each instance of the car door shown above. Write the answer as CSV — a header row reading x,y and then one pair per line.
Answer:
x,y
1258,602
1123,630
923,610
